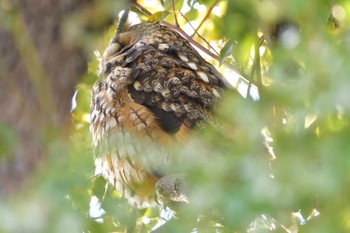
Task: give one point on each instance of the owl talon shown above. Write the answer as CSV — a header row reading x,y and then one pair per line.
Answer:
x,y
172,189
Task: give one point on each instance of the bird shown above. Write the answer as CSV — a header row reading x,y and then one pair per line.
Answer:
x,y
153,90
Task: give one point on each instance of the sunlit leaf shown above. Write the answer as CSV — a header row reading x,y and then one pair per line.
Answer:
x,y
226,50
158,16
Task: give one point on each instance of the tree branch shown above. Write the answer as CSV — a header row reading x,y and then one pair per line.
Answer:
x,y
205,17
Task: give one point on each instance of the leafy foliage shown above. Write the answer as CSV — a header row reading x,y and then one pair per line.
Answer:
x,y
301,119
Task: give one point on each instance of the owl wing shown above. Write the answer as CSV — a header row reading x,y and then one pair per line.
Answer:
x,y
174,82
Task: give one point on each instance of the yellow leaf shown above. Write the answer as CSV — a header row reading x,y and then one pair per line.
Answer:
x,y
158,16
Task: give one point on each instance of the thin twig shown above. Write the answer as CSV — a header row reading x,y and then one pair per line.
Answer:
x,y
174,12
199,34
141,8
256,68
200,47
205,17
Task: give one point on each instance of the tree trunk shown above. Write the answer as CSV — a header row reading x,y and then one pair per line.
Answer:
x,y
40,65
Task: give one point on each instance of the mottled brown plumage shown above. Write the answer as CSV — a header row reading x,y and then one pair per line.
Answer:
x,y
154,87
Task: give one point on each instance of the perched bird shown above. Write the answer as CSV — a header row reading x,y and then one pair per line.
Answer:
x,y
154,88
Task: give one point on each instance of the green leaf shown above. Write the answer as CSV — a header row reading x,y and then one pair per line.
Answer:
x,y
158,16
226,50
168,4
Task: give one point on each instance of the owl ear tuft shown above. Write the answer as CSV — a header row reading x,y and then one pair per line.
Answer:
x,y
123,22
119,40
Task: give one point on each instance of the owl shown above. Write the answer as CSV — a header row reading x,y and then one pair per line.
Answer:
x,y
154,90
